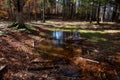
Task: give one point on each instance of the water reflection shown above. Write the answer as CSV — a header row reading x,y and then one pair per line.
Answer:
x,y
60,37
56,49
57,38
76,35
57,34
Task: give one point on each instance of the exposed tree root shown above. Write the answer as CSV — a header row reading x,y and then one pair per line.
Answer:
x,y
18,26
26,28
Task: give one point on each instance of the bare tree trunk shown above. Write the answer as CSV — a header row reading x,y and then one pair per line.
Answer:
x,y
91,12
56,8
63,10
114,15
43,12
104,12
29,12
98,13
19,18
18,4
86,15
10,11
35,10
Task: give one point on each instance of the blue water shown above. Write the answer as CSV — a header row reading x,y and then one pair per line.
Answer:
x,y
59,37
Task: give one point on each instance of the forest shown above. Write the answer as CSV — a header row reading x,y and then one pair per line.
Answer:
x,y
59,39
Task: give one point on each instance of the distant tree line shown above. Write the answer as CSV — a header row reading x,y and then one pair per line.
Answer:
x,y
86,10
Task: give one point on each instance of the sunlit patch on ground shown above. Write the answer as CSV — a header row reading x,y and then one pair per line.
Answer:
x,y
96,58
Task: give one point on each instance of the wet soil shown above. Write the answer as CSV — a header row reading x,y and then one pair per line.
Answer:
x,y
44,57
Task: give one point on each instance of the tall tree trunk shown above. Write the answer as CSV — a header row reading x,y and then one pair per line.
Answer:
x,y
56,11
73,9
35,10
29,12
19,18
98,13
114,15
10,11
86,15
91,12
63,10
104,12
43,12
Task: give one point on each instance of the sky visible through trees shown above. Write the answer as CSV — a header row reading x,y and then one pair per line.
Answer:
x,y
88,10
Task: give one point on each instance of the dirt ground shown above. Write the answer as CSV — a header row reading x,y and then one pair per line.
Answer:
x,y
20,53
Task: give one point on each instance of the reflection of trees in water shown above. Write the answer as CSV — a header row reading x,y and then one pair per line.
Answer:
x,y
60,37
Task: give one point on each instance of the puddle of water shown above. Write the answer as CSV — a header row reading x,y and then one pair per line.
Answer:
x,y
60,37
58,44
56,48
57,38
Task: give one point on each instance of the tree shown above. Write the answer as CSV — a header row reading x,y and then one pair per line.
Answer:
x,y
98,13
63,9
10,10
116,12
19,4
43,12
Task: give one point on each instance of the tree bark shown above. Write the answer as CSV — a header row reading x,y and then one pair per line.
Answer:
x,y
98,13
18,4
114,15
19,18
10,11
35,10
104,12
63,10
91,12
43,12
28,12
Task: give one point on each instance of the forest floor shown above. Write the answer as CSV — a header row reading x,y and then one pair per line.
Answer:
x,y
29,55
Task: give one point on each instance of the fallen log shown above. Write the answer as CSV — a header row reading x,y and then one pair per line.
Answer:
x,y
42,68
90,60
